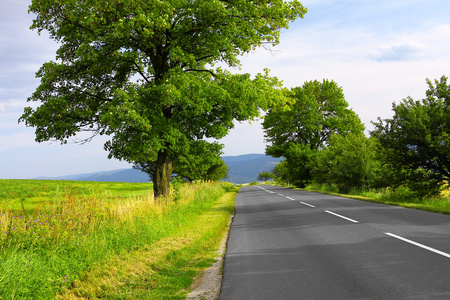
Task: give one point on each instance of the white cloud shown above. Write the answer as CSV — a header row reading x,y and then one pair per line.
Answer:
x,y
399,52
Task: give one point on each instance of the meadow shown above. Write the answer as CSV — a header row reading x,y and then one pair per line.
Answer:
x,y
84,240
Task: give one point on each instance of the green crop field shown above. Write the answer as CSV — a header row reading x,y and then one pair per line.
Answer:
x,y
75,240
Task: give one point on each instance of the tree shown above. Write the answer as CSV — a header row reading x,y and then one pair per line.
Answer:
x,y
349,161
217,171
317,111
201,163
142,72
299,159
281,172
417,138
264,176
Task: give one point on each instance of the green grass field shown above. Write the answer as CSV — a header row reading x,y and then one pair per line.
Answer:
x,y
81,240
16,195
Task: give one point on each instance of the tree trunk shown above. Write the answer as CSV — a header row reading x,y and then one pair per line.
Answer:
x,y
162,174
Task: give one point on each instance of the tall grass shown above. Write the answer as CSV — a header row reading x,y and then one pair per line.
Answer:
x,y
46,248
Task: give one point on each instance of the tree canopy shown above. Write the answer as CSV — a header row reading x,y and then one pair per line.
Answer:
x,y
318,110
417,137
142,72
348,162
296,132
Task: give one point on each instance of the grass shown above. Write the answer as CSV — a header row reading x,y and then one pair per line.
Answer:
x,y
28,195
105,240
401,197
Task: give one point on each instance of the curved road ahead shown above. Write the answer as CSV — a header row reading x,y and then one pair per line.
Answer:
x,y
289,244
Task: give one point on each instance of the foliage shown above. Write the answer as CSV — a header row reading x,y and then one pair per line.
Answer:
x,y
417,139
50,248
348,162
318,110
281,172
201,164
217,171
299,161
264,176
142,72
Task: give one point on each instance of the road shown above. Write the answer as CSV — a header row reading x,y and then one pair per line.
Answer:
x,y
290,244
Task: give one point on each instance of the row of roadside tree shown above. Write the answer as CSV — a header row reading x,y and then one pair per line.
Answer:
x,y
323,141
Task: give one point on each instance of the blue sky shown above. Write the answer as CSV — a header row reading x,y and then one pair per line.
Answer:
x,y
379,51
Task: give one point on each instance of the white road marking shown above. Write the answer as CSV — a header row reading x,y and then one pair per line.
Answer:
x,y
418,245
340,216
307,204
280,194
290,198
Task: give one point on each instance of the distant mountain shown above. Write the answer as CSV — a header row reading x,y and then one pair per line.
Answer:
x,y
121,175
243,169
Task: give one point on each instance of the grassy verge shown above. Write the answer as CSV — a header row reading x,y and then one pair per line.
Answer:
x,y
164,269
91,246
400,197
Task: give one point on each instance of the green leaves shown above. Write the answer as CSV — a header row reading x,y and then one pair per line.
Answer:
x,y
318,110
142,71
418,135
348,162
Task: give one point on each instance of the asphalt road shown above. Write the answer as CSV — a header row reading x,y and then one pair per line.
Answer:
x,y
288,244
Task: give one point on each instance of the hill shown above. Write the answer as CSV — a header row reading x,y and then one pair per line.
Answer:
x,y
243,169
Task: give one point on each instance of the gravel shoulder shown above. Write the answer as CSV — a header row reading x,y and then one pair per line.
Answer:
x,y
207,285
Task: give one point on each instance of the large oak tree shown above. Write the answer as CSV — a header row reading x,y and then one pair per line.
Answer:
x,y
142,72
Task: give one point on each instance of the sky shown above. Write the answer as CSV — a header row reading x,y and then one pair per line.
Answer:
x,y
378,51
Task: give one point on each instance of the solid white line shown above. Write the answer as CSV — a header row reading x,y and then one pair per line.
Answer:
x,y
340,216
418,245
307,204
290,198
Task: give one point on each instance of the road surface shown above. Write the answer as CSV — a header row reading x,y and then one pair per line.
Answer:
x,y
290,244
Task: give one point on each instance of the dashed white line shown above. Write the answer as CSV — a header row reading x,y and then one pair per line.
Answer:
x,y
280,194
341,216
418,245
307,204
290,198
